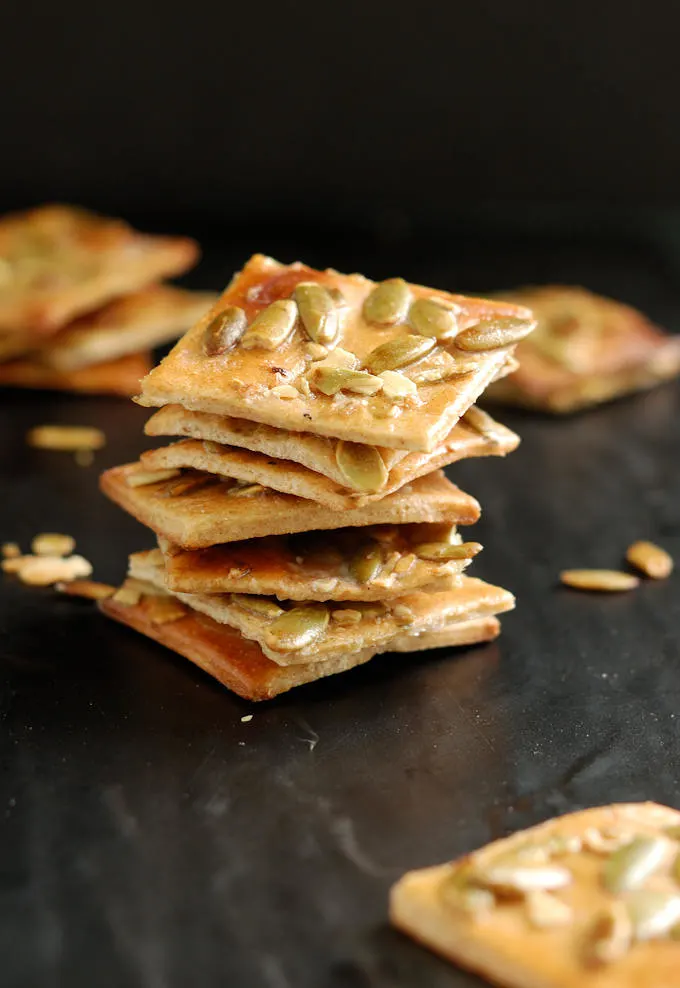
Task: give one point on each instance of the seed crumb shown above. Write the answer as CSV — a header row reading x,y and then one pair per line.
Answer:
x,y
246,719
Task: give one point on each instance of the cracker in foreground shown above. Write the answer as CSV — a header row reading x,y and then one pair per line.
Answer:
x,y
113,377
57,262
588,900
336,355
585,350
194,510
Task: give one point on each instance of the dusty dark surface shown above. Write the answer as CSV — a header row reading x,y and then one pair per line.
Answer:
x,y
152,839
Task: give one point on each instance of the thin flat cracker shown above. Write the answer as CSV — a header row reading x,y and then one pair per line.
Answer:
x,y
586,350
115,377
241,382
57,262
507,942
314,565
412,614
318,480
216,513
241,666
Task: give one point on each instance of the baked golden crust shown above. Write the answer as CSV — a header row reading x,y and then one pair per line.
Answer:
x,y
114,377
605,924
241,666
211,514
242,382
585,350
57,262
312,470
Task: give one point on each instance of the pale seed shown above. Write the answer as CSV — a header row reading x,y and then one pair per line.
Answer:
x,y
612,935
366,564
330,380
318,312
246,490
51,544
67,438
559,845
271,327
140,478
520,879
10,550
340,358
653,914
285,391
439,551
605,580
431,317
650,559
224,331
398,353
297,628
402,614
546,911
315,351
362,467
41,571
346,616
127,595
89,589
396,385
257,605
606,841
405,564
490,334
459,893
388,303
633,864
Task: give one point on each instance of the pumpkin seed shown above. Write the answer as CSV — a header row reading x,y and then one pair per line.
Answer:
x,y
560,844
632,865
245,490
346,616
362,467
468,898
431,317
225,330
650,559
189,483
52,544
142,478
402,615
405,564
271,327
330,380
297,628
318,312
546,911
653,914
612,934
607,840
396,385
397,353
366,564
439,551
519,879
605,580
388,303
260,606
490,334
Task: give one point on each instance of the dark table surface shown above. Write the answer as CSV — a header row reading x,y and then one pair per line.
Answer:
x,y
151,838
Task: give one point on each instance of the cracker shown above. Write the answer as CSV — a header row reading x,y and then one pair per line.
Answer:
x,y
241,666
412,614
139,321
315,565
312,471
242,382
115,377
587,933
217,512
57,262
586,350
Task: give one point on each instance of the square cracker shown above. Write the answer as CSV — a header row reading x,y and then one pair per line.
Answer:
x,y
315,565
586,350
242,382
57,262
524,940
413,614
114,377
240,664
477,435
139,321
217,512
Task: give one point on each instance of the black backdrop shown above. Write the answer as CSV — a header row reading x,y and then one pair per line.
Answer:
x,y
335,111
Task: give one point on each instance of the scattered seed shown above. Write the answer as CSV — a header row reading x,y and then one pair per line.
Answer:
x,y
612,935
224,331
490,334
633,864
388,303
41,571
650,559
67,438
546,911
10,550
433,317
142,478
297,628
439,551
89,589
51,544
271,327
246,719
653,913
398,353
606,580
362,467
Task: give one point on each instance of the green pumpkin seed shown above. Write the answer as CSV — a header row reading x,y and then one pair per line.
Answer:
x,y
330,380
519,879
260,606
490,334
430,317
559,844
365,566
271,327
459,893
297,628
439,551
388,303
546,911
397,353
633,864
653,914
612,935
362,467
224,331
318,312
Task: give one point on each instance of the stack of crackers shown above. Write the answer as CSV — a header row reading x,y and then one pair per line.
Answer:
x,y
80,303
303,521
